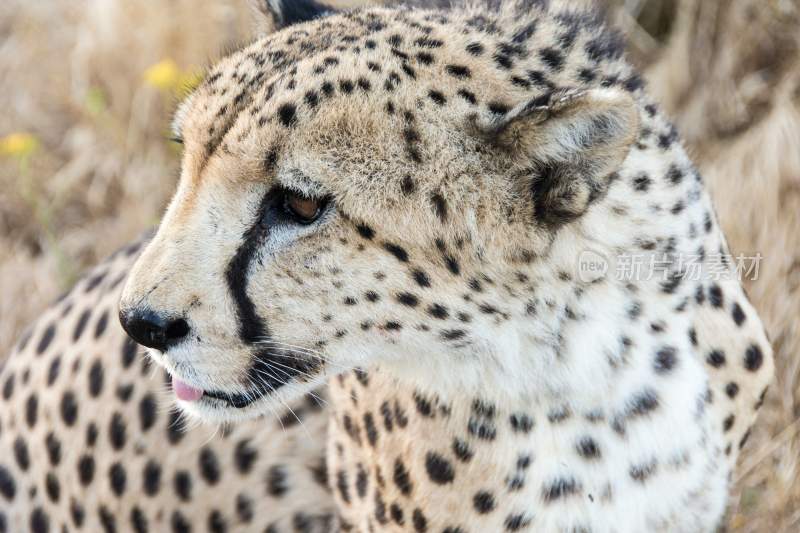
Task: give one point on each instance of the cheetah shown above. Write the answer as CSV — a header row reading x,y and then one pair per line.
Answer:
x,y
414,226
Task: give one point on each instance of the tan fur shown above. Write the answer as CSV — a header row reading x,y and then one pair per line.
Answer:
x,y
749,312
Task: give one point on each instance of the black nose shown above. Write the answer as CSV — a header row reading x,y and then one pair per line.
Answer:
x,y
153,330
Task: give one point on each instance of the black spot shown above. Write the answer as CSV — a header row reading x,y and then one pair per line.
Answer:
x,y
39,522
424,406
21,454
439,469
406,298
397,251
461,450
151,478
129,348
52,373
716,358
78,514
420,521
503,60
642,472
245,456
175,427
86,469
587,447
277,484
69,408
287,114
312,99
52,487
674,175
342,486
346,86
107,520
732,389
100,327
439,206
438,311
499,108
738,314
244,508
425,58
515,522
183,485
53,448
95,379
91,434
125,391
31,410
81,324
370,429
641,182
46,339
365,231
8,387
407,185
553,58
715,295
469,96
643,402
402,478
116,431
361,481
147,411
437,97
475,49
521,422
453,334
427,42
421,278
753,358
483,501
117,478
459,71
560,488
665,360
8,488
216,522
209,466
179,523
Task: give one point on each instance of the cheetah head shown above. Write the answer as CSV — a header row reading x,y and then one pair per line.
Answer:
x,y
396,187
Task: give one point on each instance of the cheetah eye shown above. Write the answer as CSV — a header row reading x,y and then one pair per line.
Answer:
x,y
301,208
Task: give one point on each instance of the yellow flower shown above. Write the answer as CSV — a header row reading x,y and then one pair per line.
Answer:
x,y
18,144
163,75
168,76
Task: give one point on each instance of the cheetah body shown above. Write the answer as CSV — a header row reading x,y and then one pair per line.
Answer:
x,y
475,160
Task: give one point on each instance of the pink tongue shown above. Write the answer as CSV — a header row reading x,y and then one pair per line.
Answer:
x,y
185,392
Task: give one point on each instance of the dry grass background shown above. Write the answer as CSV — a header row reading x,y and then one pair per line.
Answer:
x,y
73,76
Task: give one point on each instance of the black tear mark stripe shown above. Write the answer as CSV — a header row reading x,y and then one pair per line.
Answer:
x,y
267,373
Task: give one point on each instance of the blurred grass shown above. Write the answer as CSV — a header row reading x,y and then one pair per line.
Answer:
x,y
86,164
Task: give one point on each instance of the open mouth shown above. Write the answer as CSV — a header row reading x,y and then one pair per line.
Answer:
x,y
270,371
187,393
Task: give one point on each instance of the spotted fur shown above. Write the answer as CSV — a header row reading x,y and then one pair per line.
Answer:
x,y
467,161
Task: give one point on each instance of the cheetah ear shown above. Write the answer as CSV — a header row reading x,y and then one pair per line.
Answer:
x,y
570,144
273,15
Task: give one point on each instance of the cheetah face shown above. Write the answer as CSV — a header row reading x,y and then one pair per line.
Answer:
x,y
354,192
